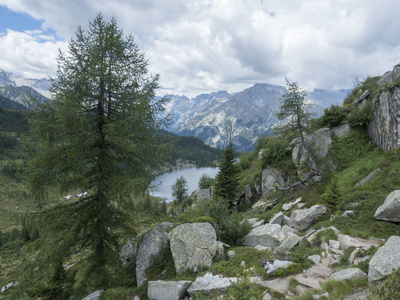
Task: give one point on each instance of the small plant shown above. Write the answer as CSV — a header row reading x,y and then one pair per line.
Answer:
x,y
245,289
390,288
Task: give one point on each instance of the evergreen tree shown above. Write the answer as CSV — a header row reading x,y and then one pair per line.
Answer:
x,y
296,110
179,189
227,182
205,181
97,135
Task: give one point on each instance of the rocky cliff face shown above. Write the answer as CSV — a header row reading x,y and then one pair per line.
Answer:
x,y
384,129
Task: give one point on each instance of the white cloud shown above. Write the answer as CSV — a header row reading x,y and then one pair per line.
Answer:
x,y
203,45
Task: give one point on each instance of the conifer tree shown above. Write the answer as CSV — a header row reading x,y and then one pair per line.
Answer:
x,y
227,182
97,136
179,189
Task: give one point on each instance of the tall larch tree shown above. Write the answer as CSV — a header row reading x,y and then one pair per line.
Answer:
x,y
97,136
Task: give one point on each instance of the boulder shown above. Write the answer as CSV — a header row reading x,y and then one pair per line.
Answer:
x,y
348,213
320,142
129,250
348,274
167,290
8,286
201,194
316,259
193,246
261,206
258,224
277,218
312,235
390,209
231,254
247,194
302,219
384,128
368,178
318,271
266,235
289,242
385,259
273,266
270,179
347,241
152,245
93,296
209,283
341,130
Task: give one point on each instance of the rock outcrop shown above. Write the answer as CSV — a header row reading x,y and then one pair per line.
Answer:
x,y
152,245
390,209
193,246
384,128
271,179
167,290
129,250
385,260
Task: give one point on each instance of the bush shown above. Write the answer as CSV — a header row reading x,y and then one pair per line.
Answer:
x,y
390,288
332,116
360,118
276,150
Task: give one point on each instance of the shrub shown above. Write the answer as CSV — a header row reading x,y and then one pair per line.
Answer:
x,y
332,116
390,288
276,150
245,289
360,118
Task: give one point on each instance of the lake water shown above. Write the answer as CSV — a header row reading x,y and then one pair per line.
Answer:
x,y
192,176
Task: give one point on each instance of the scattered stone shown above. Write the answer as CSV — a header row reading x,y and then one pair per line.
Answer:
x,y
167,290
93,296
252,221
277,219
221,248
300,290
390,209
152,245
361,259
209,283
385,260
314,283
301,205
348,213
347,241
321,296
231,254
280,284
258,224
8,286
353,255
368,178
316,259
334,244
266,235
193,246
273,266
262,205
262,248
348,274
318,271
266,295
289,243
243,263
287,206
303,218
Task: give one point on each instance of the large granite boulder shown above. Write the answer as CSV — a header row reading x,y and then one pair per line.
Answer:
x,y
201,194
301,219
167,290
385,260
267,235
390,210
348,274
384,128
271,179
152,245
341,130
209,283
193,246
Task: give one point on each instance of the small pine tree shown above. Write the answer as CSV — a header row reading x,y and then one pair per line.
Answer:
x,y
331,196
227,182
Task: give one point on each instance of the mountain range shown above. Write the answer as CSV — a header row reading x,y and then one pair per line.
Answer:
x,y
213,117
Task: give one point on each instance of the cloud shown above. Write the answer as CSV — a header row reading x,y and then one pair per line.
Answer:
x,y
202,45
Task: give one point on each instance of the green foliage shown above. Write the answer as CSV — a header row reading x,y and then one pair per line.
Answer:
x,y
245,289
227,181
230,226
333,116
98,135
339,289
246,160
332,196
162,267
119,293
205,181
275,150
360,118
389,288
179,189
15,121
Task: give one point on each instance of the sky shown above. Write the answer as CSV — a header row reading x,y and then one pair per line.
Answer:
x,y
202,46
